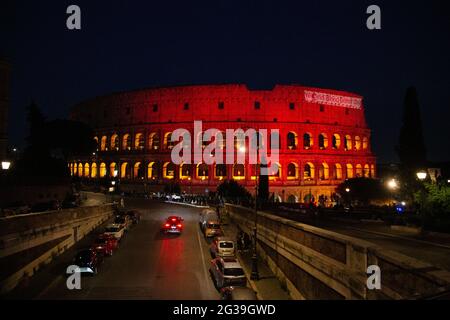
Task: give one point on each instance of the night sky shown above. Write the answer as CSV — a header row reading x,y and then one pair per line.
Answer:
x,y
126,45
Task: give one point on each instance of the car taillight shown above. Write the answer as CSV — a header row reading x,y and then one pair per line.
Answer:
x,y
173,219
179,225
167,225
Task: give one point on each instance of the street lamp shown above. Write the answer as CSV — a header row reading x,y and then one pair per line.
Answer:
x,y
421,175
6,165
347,189
392,184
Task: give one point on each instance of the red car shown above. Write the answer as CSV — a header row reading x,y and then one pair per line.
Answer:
x,y
173,224
105,244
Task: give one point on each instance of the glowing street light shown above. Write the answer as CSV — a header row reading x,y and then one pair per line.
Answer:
x,y
347,189
6,165
242,149
392,184
113,183
421,175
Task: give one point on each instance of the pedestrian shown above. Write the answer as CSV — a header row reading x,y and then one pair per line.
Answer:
x,y
122,202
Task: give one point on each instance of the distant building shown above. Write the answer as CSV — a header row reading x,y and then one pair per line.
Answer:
x,y
324,137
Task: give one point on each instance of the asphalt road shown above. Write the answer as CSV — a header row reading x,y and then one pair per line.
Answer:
x,y
148,264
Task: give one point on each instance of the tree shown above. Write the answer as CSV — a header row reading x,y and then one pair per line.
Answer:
x,y
71,137
231,190
411,146
363,190
434,200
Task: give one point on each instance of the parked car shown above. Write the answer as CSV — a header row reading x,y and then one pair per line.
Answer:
x,y
116,230
205,215
173,224
88,261
134,215
222,247
212,229
238,293
105,244
227,272
124,221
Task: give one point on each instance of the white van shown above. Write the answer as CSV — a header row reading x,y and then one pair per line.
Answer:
x,y
207,215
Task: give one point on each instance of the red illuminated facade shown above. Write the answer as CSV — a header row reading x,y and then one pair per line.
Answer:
x,y
324,138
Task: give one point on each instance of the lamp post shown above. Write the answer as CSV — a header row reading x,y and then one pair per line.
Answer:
x,y
6,165
255,273
421,175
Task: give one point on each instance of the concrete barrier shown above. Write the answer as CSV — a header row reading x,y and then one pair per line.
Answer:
x,y
313,263
29,241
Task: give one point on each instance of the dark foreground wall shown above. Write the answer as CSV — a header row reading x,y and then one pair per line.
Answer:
x,y
314,263
29,241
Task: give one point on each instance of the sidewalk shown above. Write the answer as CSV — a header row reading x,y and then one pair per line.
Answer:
x,y
267,287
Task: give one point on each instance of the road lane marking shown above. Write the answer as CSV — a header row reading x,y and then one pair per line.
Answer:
x,y
208,281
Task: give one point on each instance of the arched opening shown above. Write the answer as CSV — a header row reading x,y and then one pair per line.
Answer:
x,y
323,141
125,171
93,170
115,142
349,171
72,169
86,170
357,143
238,172
336,141
139,143
202,171
372,171
138,172
324,171
169,170
292,171
308,171
221,141
365,143
220,171
338,171
292,140
80,169
154,142
102,170
152,171
292,198
307,141
103,142
359,171
96,143
275,173
126,142
113,170
366,171
168,144
348,142
185,171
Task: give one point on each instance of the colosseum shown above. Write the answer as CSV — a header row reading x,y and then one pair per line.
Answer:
x,y
324,138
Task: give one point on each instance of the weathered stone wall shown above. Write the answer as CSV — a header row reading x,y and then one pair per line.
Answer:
x,y
29,241
314,263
